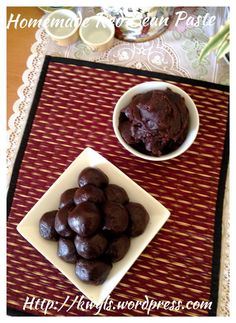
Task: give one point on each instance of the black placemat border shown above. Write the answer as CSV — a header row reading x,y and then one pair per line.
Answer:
x,y
222,177
28,126
14,312
218,226
134,71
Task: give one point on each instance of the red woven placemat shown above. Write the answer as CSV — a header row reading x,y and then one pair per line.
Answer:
x,y
72,109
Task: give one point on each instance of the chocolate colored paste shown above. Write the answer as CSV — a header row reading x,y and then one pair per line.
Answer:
x,y
155,122
94,224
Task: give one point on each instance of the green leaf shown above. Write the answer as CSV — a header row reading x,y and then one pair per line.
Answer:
x,y
216,40
224,48
225,39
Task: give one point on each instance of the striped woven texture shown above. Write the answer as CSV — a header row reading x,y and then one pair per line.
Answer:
x,y
75,111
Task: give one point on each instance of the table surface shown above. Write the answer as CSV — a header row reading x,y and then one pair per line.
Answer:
x,y
24,37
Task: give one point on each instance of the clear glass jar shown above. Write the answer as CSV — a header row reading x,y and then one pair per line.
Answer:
x,y
139,24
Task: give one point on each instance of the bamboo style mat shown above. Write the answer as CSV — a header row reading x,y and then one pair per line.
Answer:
x,y
72,109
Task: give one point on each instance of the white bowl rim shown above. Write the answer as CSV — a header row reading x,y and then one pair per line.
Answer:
x,y
70,14
156,85
111,27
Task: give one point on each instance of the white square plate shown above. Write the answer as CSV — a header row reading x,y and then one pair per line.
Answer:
x,y
29,226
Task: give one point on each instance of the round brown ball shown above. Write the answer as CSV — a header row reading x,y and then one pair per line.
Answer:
x,y
91,247
89,193
116,193
139,218
93,176
118,248
84,219
61,222
66,251
93,272
67,197
46,226
116,218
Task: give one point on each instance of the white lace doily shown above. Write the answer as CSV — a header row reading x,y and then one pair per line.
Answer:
x,y
175,52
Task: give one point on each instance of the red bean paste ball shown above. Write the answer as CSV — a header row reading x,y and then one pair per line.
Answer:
x,y
89,193
46,226
93,176
116,218
61,222
92,271
139,218
116,193
155,123
66,250
93,224
84,219
118,248
67,197
91,247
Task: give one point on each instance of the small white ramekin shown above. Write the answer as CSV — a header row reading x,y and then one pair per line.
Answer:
x,y
97,32
126,98
66,36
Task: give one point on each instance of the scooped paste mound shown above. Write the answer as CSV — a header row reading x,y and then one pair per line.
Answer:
x,y
155,123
